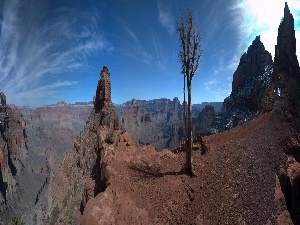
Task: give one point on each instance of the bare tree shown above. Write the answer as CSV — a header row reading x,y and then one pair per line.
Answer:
x,y
189,55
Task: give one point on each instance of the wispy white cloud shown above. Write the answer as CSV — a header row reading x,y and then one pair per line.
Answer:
x,y
160,62
42,93
134,49
219,82
35,48
166,18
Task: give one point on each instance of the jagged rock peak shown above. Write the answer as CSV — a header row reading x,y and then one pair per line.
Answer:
x,y
103,92
253,65
256,45
286,41
285,79
2,99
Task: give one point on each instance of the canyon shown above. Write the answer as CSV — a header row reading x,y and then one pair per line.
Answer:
x,y
100,163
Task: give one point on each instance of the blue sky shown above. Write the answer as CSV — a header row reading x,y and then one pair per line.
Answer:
x,y
54,50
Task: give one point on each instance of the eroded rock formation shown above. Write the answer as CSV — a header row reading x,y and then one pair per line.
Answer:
x,y
24,175
284,87
82,175
249,85
202,126
283,97
156,122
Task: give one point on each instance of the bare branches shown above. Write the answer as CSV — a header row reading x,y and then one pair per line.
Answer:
x,y
189,55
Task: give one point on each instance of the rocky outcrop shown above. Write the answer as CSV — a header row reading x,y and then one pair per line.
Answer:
x,y
140,184
251,78
51,129
82,175
249,85
283,97
284,88
22,173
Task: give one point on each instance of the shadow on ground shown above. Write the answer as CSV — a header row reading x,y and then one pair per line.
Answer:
x,y
145,170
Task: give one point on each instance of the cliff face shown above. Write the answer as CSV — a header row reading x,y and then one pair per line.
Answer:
x,y
23,175
202,125
156,122
51,129
283,97
250,82
284,89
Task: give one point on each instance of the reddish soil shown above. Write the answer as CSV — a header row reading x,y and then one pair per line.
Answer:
x,y
237,181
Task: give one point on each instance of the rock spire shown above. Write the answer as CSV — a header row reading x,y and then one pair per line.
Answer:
x,y
103,92
104,111
285,79
250,81
285,50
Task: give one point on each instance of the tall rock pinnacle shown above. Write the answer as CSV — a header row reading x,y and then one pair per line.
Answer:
x,y
285,50
285,79
105,112
103,92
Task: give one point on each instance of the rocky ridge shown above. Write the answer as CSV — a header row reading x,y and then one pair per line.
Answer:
x,y
242,178
283,96
82,174
108,179
51,129
248,175
284,88
249,85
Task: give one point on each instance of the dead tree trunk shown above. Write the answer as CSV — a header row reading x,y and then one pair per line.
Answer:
x,y
189,135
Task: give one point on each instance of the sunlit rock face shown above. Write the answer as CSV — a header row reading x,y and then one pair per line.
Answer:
x,y
250,81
